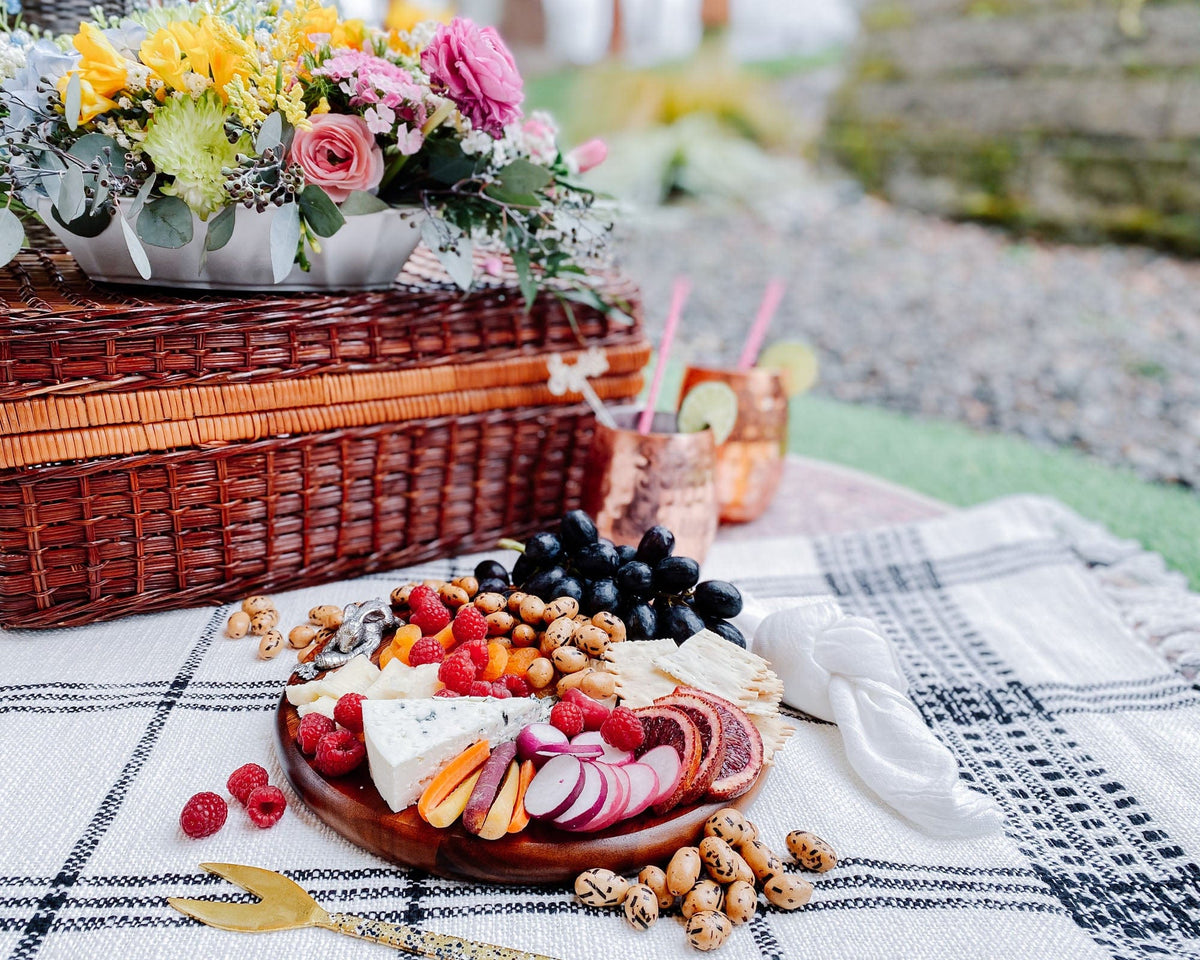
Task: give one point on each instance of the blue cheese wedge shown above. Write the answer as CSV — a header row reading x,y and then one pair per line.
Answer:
x,y
409,741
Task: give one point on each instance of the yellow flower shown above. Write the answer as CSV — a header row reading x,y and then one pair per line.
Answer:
x,y
92,102
229,54
102,72
348,33
403,15
321,107
163,55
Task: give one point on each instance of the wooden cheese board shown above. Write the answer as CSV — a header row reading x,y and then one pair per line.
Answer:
x,y
539,854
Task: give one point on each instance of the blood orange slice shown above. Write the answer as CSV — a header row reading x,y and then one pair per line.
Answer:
x,y
670,726
743,758
712,741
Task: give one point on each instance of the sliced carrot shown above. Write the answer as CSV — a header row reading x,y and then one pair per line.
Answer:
x,y
451,775
445,636
450,809
520,819
519,660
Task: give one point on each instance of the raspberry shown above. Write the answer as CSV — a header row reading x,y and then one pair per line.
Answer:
x,y
469,624
500,691
457,673
313,726
447,693
477,650
348,711
339,752
431,618
517,686
567,717
244,779
426,650
203,815
422,596
622,729
594,712
480,688
265,806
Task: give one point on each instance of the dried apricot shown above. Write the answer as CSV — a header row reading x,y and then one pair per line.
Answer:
x,y
497,661
520,659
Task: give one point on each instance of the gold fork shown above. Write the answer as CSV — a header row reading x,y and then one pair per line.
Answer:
x,y
286,906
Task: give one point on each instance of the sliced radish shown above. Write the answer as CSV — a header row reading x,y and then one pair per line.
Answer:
x,y
582,751
623,788
614,805
667,767
643,788
610,755
554,788
589,801
536,736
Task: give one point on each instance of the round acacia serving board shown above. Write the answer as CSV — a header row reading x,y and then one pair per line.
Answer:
x,y
538,854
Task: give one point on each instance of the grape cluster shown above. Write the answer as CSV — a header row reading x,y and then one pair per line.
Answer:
x,y
656,593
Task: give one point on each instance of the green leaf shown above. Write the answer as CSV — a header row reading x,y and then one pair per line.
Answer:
x,y
447,162
73,102
285,238
320,212
270,134
136,250
360,203
166,222
522,178
93,146
525,278
143,195
72,201
12,235
220,229
452,248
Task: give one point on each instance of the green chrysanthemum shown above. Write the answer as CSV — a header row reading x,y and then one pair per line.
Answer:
x,y
186,140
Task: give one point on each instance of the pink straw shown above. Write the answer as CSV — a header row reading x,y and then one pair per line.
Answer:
x,y
772,297
679,295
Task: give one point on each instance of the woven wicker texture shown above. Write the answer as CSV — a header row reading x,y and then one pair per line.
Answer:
x,y
64,16
163,452
61,334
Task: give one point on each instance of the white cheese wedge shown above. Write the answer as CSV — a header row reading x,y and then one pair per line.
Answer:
x,y
409,741
399,681
353,677
322,705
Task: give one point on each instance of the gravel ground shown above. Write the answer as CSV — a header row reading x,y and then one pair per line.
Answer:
x,y
1092,348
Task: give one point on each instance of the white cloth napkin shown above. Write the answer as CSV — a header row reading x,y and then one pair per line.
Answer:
x,y
841,669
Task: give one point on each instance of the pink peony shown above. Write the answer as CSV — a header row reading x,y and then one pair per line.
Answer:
x,y
339,154
587,155
475,70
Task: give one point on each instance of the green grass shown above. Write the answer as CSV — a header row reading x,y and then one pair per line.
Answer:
x,y
964,467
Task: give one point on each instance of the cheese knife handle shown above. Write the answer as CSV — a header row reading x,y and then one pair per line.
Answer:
x,y
424,943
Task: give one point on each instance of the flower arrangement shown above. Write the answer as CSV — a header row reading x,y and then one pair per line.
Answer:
x,y
169,119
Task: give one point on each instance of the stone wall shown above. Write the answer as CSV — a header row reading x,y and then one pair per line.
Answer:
x,y
1074,118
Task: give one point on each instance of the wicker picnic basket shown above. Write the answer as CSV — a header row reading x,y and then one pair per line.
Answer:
x,y
167,452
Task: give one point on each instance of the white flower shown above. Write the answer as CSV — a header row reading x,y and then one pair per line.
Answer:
x,y
380,118
12,58
137,75
476,143
195,83
422,33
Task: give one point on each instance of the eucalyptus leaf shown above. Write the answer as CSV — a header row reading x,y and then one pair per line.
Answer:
x,y
99,195
447,163
12,235
136,250
270,134
220,229
525,278
143,195
320,212
73,102
360,203
285,238
166,222
96,146
72,200
452,248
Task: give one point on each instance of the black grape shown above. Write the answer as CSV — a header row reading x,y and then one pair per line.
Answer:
x,y
718,599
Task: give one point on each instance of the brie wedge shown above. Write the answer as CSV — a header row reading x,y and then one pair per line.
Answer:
x,y
353,677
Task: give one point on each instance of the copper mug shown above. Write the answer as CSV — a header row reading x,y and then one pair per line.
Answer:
x,y
750,461
634,481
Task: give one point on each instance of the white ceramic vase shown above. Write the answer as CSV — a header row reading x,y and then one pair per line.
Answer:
x,y
367,253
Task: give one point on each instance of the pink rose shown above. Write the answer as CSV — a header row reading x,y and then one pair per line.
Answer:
x,y
338,154
475,69
587,155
